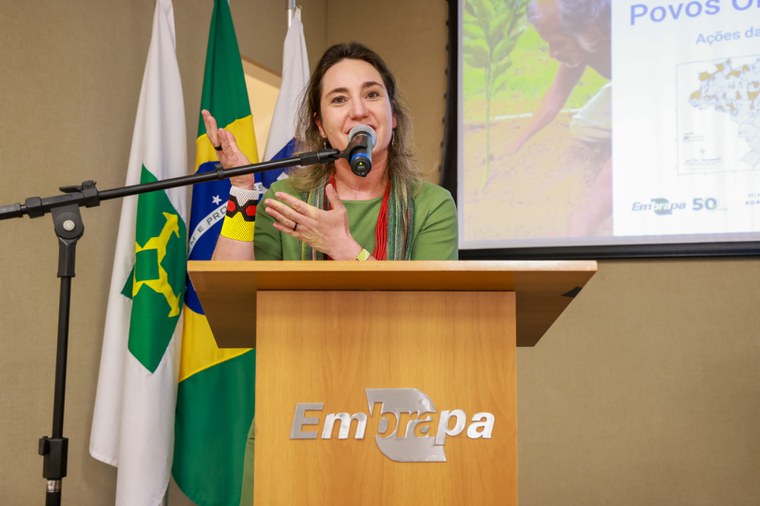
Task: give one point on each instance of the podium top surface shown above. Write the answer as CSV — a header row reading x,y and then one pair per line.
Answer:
x,y
543,288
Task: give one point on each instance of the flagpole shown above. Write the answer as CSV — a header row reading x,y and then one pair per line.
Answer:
x,y
291,10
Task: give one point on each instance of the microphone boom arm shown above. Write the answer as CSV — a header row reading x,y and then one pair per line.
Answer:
x,y
87,195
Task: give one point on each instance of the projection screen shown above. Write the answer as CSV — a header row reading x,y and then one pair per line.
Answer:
x,y
600,127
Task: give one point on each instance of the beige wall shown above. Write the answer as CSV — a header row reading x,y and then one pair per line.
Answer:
x,y
647,391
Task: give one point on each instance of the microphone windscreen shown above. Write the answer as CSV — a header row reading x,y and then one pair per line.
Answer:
x,y
365,129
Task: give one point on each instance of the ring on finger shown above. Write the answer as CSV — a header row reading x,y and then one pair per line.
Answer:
x,y
295,226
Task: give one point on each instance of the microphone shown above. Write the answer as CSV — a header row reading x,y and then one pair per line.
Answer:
x,y
361,140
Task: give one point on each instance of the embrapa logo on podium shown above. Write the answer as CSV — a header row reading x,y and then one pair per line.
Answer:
x,y
413,416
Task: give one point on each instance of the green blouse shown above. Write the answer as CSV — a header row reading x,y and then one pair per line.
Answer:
x,y
435,225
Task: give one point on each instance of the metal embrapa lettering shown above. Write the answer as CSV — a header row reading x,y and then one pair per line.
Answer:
x,y
400,443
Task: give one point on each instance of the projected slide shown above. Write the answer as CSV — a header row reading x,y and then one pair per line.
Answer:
x,y
588,123
694,169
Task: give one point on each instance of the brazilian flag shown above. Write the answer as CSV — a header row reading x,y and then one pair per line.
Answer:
x,y
215,397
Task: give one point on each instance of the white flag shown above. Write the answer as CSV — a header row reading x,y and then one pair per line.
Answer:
x,y
133,422
295,76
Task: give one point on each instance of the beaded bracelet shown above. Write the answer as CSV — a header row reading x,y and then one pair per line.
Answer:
x,y
241,214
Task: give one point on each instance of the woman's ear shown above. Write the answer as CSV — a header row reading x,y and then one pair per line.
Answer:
x,y
318,122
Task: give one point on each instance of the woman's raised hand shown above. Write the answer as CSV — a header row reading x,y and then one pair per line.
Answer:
x,y
227,150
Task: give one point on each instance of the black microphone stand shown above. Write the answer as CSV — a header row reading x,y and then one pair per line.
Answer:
x,y
69,228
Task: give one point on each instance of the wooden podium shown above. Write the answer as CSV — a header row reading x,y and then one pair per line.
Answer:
x,y
410,365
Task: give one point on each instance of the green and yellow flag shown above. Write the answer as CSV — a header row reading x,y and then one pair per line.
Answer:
x,y
215,398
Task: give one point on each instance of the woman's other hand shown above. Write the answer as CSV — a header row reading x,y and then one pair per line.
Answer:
x,y
325,231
